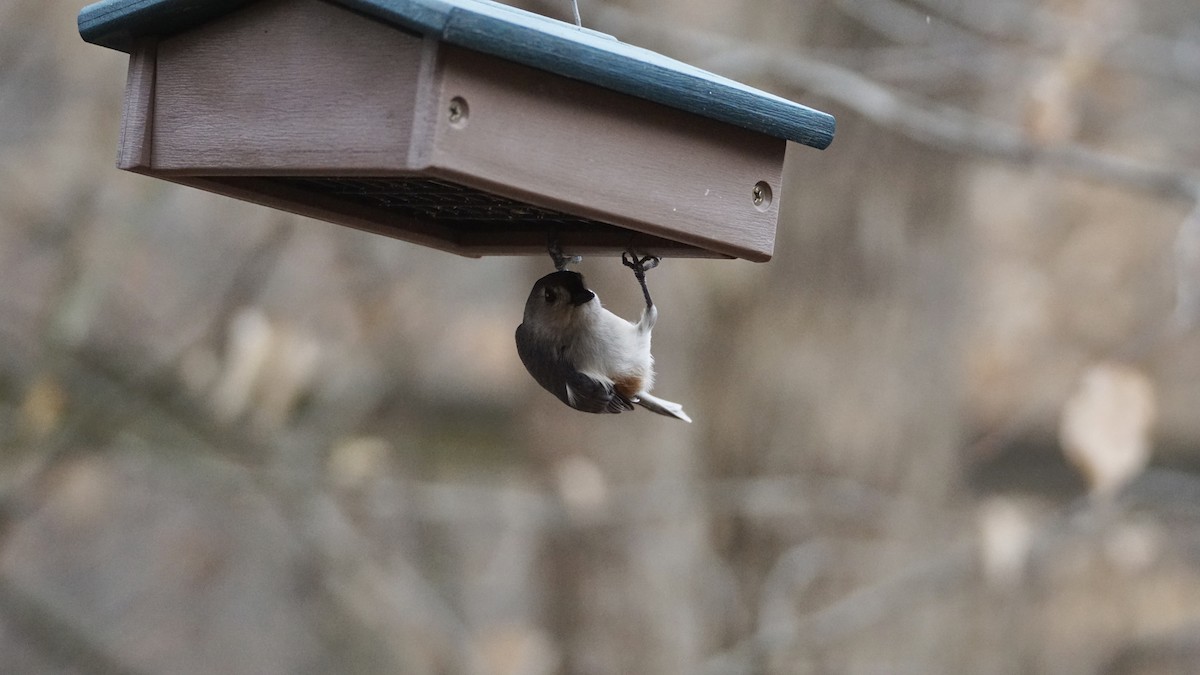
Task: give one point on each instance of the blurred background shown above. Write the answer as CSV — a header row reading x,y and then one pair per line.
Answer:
x,y
953,427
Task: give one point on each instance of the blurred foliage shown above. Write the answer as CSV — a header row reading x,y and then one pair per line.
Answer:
x,y
950,428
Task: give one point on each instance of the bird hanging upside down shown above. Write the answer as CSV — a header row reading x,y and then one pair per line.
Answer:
x,y
590,358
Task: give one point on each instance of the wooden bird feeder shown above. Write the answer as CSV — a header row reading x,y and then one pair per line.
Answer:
x,y
464,125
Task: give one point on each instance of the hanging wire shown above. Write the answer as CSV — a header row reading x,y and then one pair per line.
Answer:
x,y
575,7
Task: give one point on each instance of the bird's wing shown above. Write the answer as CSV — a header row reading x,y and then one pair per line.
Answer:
x,y
591,395
572,387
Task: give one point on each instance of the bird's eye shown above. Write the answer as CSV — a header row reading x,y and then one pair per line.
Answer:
x,y
549,295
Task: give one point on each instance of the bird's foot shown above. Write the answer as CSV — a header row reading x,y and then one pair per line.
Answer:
x,y
561,261
639,265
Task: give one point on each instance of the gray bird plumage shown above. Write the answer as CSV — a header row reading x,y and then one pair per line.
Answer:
x,y
588,357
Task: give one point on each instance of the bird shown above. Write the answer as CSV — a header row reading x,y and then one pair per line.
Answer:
x,y
588,357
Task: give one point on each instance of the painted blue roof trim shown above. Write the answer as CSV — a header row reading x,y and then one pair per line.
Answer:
x,y
116,23
516,35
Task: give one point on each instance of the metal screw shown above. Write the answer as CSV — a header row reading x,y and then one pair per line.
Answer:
x,y
761,193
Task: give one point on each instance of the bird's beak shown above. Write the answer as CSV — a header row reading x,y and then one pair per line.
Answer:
x,y
582,297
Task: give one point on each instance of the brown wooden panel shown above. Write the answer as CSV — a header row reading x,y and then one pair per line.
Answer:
x,y
286,85
300,88
575,147
136,117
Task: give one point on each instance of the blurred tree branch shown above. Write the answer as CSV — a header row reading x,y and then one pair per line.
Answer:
x,y
58,638
944,126
962,26
955,129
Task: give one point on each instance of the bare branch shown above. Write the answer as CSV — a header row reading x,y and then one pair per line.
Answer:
x,y
56,635
943,126
1187,273
1045,30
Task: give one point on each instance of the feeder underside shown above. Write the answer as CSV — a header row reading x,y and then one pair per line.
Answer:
x,y
439,201
444,214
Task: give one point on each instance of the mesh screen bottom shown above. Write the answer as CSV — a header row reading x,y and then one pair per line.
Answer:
x,y
440,201
441,214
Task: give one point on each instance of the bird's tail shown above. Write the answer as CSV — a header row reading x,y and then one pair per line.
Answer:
x,y
657,405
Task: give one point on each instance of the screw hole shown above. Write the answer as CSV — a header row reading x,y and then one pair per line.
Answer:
x,y
459,111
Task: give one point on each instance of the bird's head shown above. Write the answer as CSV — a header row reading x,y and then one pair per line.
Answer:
x,y
557,300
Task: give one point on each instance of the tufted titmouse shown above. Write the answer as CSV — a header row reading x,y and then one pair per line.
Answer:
x,y
590,358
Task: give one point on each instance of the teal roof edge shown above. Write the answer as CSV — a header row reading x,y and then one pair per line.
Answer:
x,y
520,36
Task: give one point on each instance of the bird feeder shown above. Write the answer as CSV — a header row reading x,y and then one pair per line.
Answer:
x,y
464,125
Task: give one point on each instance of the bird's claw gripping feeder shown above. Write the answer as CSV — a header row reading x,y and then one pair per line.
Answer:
x,y
464,125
